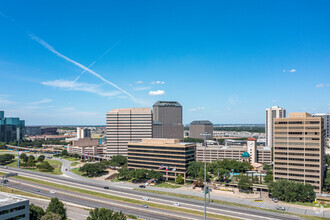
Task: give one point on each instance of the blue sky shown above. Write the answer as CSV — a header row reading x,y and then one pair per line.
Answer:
x,y
225,61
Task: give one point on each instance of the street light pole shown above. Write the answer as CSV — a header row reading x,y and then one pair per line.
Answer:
x,y
18,136
205,134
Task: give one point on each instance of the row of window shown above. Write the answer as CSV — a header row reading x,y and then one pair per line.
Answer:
x,y
298,170
297,143
297,148
12,210
297,164
294,174
297,159
297,138
296,154
296,128
297,122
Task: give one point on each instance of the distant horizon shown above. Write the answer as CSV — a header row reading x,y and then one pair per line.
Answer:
x,y
242,125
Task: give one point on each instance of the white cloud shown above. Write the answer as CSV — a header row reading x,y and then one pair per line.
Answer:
x,y
292,71
320,85
139,82
197,109
52,49
158,92
158,82
5,101
42,101
76,86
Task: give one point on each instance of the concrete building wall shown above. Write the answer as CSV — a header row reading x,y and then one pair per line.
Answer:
x,y
127,125
14,207
167,112
271,114
196,128
326,121
299,149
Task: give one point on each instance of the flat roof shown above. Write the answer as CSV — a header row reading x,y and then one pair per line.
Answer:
x,y
201,122
167,104
8,199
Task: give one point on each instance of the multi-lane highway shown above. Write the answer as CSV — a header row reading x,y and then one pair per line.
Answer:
x,y
153,213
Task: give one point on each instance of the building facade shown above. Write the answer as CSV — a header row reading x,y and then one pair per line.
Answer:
x,y
11,129
196,128
83,133
127,125
14,207
271,114
326,121
299,149
32,130
167,116
161,154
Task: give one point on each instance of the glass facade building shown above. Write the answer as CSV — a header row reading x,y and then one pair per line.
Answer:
x,y
11,129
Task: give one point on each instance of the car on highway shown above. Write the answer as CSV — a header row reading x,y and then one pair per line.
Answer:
x,y
176,204
5,167
37,190
144,206
280,208
275,200
52,192
106,187
145,198
142,186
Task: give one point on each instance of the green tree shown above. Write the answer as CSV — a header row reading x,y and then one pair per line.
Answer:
x,y
3,145
119,159
93,169
31,157
105,214
36,212
269,176
45,167
41,158
153,174
75,155
57,207
194,168
30,163
51,216
179,179
244,183
193,140
201,174
6,158
64,153
24,157
123,173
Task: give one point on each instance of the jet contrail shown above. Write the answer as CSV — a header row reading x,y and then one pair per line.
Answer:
x,y
96,60
52,49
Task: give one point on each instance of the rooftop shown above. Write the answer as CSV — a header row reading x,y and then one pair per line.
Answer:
x,y
8,199
202,122
167,104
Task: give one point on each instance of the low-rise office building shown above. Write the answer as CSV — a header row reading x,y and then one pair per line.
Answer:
x,y
13,207
86,146
170,156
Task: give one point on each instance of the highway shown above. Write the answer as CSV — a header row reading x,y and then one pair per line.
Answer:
x,y
225,210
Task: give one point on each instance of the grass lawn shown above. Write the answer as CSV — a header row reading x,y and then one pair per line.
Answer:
x,y
167,185
127,200
75,163
71,158
311,204
57,165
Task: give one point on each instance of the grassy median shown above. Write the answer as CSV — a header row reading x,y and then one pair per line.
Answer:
x,y
122,199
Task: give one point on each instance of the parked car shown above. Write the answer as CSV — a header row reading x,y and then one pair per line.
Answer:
x,y
176,204
37,190
142,186
106,187
144,206
145,198
52,192
275,200
280,208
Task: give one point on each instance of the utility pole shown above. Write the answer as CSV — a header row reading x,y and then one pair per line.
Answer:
x,y
205,134
18,135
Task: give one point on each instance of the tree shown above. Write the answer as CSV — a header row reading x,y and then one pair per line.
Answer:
x,y
51,216
179,179
45,167
194,168
75,155
123,173
267,167
93,169
6,158
105,214
244,183
269,176
193,140
201,174
36,212
57,207
153,174
24,157
3,145
31,162
119,159
31,157
41,158
64,153
223,174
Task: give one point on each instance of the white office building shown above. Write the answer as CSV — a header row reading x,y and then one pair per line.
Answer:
x,y
13,207
83,133
271,113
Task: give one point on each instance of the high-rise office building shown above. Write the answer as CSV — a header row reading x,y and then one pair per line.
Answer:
x,y
83,133
271,113
11,129
299,149
326,120
32,130
127,125
167,116
196,128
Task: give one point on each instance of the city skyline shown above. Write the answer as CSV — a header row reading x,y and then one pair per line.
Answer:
x,y
71,64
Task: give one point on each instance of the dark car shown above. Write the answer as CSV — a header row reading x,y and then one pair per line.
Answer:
x,y
106,187
37,190
142,186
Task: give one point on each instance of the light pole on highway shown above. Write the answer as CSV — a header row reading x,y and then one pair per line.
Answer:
x,y
18,135
204,135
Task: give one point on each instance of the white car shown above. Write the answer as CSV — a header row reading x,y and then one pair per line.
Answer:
x,y
52,192
176,204
145,198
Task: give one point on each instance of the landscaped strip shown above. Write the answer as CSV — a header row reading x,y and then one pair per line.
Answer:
x,y
230,203
121,199
19,192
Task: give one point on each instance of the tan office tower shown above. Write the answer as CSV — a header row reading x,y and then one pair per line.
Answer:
x,y
127,125
299,149
271,113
